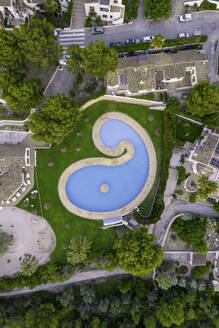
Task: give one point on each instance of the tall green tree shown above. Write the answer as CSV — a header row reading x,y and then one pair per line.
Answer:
x,y
10,54
206,187
29,265
8,79
37,45
166,281
95,60
137,253
204,99
157,9
42,316
6,241
51,6
78,250
56,119
158,42
24,96
170,313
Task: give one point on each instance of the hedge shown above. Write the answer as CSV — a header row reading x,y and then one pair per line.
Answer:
x,y
182,41
48,273
131,9
199,271
167,153
208,5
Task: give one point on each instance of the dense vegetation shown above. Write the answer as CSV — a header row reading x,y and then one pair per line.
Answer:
x,y
206,5
157,9
126,304
192,229
48,176
95,60
6,241
131,9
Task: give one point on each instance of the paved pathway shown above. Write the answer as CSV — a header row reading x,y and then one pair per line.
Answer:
x,y
177,207
78,277
74,36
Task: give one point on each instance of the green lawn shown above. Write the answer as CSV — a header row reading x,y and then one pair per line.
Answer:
x,y
186,131
48,177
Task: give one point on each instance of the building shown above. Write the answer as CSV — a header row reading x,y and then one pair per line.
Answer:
x,y
158,71
110,11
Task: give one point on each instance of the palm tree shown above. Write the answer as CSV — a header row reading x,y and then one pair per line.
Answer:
x,y
206,187
6,241
78,250
158,42
29,265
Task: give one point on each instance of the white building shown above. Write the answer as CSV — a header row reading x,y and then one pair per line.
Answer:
x,y
111,11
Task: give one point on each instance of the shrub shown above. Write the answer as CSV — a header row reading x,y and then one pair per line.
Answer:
x,y
79,79
6,241
150,96
88,22
125,285
167,266
203,38
183,269
132,47
192,229
131,9
182,175
193,197
206,5
199,271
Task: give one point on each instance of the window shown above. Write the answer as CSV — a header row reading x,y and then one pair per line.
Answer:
x,y
115,1
104,16
111,16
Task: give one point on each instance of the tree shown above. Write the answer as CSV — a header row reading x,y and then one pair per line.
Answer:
x,y
158,42
150,322
216,206
171,313
78,250
9,78
166,281
51,6
42,316
74,63
96,60
192,229
23,96
206,187
156,9
10,54
37,45
137,253
67,297
204,99
57,118
6,241
29,265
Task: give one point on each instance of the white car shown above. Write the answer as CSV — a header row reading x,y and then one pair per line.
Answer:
x,y
148,38
183,35
185,17
63,62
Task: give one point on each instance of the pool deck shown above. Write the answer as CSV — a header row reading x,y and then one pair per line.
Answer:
x,y
125,151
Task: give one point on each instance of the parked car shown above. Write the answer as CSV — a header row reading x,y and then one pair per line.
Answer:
x,y
148,38
184,35
185,17
197,33
97,30
130,41
63,62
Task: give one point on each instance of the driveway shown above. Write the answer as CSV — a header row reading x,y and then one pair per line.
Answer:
x,y
177,207
206,22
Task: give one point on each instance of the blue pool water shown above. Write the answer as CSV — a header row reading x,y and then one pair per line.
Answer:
x,y
125,181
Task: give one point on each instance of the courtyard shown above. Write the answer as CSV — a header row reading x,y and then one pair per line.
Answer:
x,y
77,146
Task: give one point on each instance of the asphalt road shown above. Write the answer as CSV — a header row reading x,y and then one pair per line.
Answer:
x,y
206,22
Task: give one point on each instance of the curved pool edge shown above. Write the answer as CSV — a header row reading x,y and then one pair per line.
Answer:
x,y
111,162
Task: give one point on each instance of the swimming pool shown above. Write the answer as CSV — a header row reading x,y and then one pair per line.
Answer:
x,y
100,188
116,182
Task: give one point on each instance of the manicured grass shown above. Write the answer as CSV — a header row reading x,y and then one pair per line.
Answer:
x,y
186,131
48,177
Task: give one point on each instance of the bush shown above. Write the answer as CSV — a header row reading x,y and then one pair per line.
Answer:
x,y
199,271
167,266
193,197
182,175
79,79
192,229
203,38
132,47
206,5
131,9
125,285
182,41
88,22
150,96
183,269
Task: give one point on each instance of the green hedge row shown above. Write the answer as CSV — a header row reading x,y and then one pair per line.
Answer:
x,y
167,153
131,9
48,273
182,41
206,5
